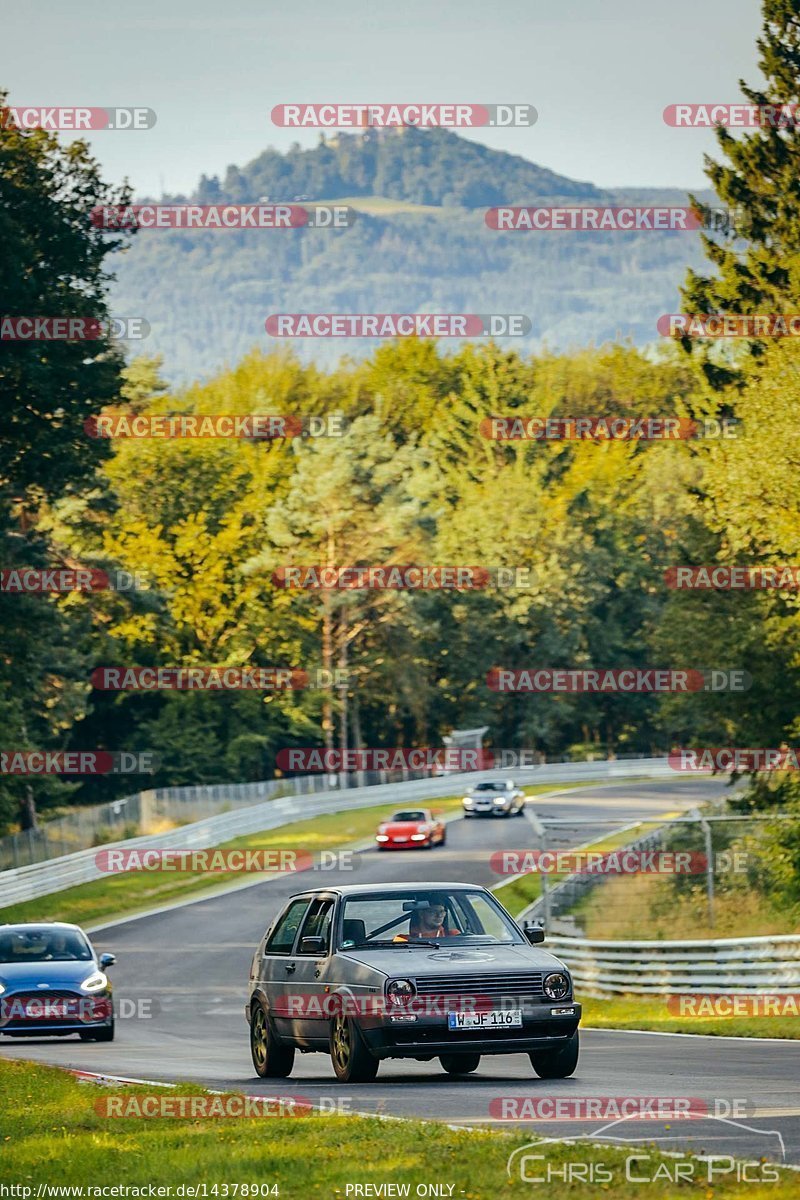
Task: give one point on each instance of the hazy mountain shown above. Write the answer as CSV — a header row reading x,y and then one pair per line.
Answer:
x,y
420,243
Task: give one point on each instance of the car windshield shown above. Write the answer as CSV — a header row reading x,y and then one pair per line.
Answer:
x,y
424,917
43,945
413,814
490,787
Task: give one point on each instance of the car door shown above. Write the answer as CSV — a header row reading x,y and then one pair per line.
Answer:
x,y
309,978
278,964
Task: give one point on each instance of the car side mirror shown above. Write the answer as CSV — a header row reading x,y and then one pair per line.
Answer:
x,y
313,945
534,934
107,960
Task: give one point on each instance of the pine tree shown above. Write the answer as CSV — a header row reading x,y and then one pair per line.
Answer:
x,y
758,260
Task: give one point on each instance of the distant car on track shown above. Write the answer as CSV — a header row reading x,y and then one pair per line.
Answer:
x,y
419,971
411,829
494,798
52,983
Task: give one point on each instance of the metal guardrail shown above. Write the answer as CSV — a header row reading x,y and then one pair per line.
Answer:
x,y
42,879
733,966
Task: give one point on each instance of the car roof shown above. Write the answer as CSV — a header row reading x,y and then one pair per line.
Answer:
x,y
362,889
38,925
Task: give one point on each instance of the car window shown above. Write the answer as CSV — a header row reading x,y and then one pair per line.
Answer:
x,y
44,945
283,935
410,815
318,921
377,919
479,917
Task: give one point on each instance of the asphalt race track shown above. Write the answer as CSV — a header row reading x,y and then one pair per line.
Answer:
x,y
189,967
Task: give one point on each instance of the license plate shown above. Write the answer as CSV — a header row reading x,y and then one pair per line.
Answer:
x,y
44,1012
494,1018
399,839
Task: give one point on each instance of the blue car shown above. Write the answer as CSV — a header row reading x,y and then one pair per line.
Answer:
x,y
52,983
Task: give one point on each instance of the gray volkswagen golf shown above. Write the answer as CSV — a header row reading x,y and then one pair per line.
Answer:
x,y
422,971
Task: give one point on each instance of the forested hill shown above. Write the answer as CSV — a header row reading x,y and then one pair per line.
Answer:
x,y
419,244
433,166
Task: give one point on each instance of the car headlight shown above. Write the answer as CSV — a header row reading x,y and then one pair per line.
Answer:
x,y
95,982
401,991
382,837
556,986
2,988
418,837
466,800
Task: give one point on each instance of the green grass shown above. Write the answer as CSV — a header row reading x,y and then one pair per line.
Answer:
x,y
137,891
134,891
51,1133
650,1012
517,895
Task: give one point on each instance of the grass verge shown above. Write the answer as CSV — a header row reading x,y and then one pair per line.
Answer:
x,y
650,1012
133,892
52,1134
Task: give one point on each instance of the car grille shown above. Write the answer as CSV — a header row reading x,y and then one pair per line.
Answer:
x,y
15,1005
490,985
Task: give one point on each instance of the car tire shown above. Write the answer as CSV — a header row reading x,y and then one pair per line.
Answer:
x,y
460,1064
556,1064
521,810
352,1060
105,1034
271,1058
444,837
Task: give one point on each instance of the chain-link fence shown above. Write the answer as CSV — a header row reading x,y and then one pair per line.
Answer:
x,y
163,808
697,875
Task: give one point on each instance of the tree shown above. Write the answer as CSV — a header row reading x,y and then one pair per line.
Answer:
x,y
757,263
52,260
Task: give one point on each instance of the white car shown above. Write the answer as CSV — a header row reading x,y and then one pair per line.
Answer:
x,y
495,798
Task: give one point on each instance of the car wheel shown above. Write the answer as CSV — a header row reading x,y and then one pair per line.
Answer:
x,y
105,1034
521,810
460,1064
352,1061
271,1059
556,1064
444,837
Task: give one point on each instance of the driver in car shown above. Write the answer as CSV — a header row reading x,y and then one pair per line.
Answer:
x,y
427,921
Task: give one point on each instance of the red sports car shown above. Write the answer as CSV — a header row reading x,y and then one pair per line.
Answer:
x,y
411,829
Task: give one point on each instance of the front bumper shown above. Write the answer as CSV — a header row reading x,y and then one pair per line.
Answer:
x,y
26,1015
409,845
430,1035
496,810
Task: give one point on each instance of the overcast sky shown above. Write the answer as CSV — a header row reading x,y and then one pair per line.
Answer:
x,y
600,72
